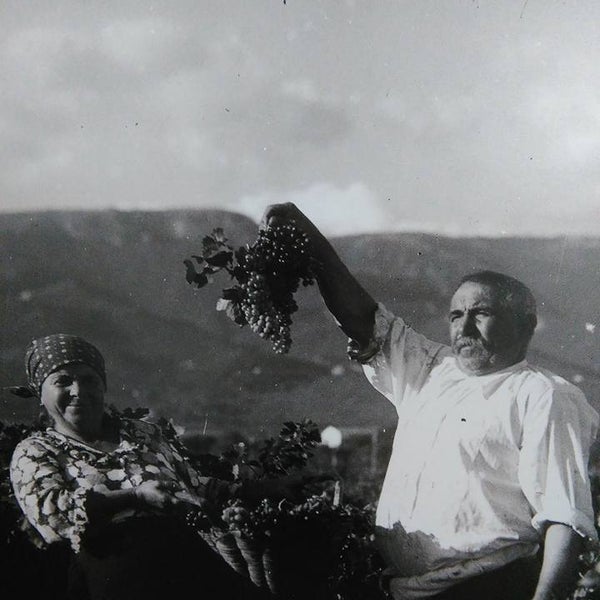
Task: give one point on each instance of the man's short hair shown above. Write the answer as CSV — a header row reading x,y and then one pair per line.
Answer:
x,y
514,294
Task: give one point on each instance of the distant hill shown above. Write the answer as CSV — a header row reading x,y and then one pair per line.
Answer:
x,y
117,278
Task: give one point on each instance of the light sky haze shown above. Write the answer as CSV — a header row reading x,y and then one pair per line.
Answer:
x,y
461,117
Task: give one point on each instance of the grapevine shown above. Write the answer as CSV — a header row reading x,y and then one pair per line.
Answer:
x,y
266,273
267,539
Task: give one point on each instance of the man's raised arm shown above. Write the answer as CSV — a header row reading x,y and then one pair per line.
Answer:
x,y
351,305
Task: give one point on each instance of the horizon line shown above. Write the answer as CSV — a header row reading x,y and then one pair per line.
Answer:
x,y
412,228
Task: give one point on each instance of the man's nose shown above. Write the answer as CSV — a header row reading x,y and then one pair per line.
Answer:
x,y
75,388
465,326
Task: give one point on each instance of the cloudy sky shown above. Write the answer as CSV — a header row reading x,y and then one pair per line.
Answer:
x,y
458,116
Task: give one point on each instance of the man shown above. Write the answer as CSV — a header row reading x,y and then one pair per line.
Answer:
x,y
490,455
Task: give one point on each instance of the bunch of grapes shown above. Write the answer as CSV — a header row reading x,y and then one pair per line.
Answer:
x,y
235,515
270,272
267,274
254,521
268,515
198,520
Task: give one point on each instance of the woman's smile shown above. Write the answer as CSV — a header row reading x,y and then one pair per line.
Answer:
x,y
74,398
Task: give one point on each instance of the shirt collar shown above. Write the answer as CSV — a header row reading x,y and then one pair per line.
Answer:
x,y
489,383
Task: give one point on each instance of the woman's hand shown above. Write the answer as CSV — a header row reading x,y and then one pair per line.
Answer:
x,y
158,495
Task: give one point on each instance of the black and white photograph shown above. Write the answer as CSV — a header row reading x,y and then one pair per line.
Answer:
x,y
300,300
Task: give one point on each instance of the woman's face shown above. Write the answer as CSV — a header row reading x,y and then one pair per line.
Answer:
x,y
74,398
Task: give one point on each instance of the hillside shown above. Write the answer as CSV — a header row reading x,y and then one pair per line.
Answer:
x,y
117,278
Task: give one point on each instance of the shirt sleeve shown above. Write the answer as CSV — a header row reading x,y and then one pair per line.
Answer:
x,y
559,428
55,510
213,490
404,359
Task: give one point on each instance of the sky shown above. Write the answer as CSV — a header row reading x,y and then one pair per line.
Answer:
x,y
461,117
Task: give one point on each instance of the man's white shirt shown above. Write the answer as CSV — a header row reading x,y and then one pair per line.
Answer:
x,y
480,464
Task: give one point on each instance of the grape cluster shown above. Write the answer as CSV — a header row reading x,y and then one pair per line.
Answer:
x,y
198,520
235,516
270,272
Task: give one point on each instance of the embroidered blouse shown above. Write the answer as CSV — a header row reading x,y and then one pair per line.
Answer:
x,y
53,474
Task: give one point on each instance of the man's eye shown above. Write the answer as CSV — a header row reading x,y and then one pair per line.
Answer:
x,y
62,381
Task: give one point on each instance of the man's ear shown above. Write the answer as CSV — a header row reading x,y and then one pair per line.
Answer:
x,y
532,323
528,323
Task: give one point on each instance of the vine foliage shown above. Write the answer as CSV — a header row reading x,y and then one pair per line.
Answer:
x,y
265,275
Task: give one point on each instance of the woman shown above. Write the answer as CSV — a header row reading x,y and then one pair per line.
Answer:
x,y
113,488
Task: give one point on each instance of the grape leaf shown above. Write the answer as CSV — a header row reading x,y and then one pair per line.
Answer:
x,y
192,276
207,269
241,253
219,259
269,271
190,273
239,273
234,293
200,260
218,235
232,310
201,280
223,304
210,245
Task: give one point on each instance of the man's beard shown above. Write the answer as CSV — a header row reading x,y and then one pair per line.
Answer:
x,y
474,354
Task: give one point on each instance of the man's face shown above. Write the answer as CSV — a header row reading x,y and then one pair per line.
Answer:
x,y
483,332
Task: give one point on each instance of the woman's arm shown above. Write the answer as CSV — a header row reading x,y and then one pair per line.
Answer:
x,y
61,509
48,501
351,305
149,495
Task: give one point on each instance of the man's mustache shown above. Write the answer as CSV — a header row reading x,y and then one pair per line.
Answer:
x,y
468,342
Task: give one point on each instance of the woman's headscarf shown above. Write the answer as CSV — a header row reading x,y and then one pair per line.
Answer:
x,y
47,354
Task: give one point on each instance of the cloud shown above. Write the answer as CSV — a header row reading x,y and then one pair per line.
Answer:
x,y
470,118
334,209
139,43
568,118
302,89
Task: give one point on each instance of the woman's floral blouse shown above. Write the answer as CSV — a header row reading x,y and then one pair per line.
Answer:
x,y
52,475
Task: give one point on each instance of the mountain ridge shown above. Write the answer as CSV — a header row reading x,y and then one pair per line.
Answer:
x,y
117,277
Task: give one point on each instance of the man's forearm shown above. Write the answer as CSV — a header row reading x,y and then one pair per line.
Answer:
x,y
562,546
346,299
351,305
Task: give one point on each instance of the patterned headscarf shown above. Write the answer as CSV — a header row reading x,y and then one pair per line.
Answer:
x,y
46,355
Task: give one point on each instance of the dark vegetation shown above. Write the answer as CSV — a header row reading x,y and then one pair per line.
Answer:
x,y
328,532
